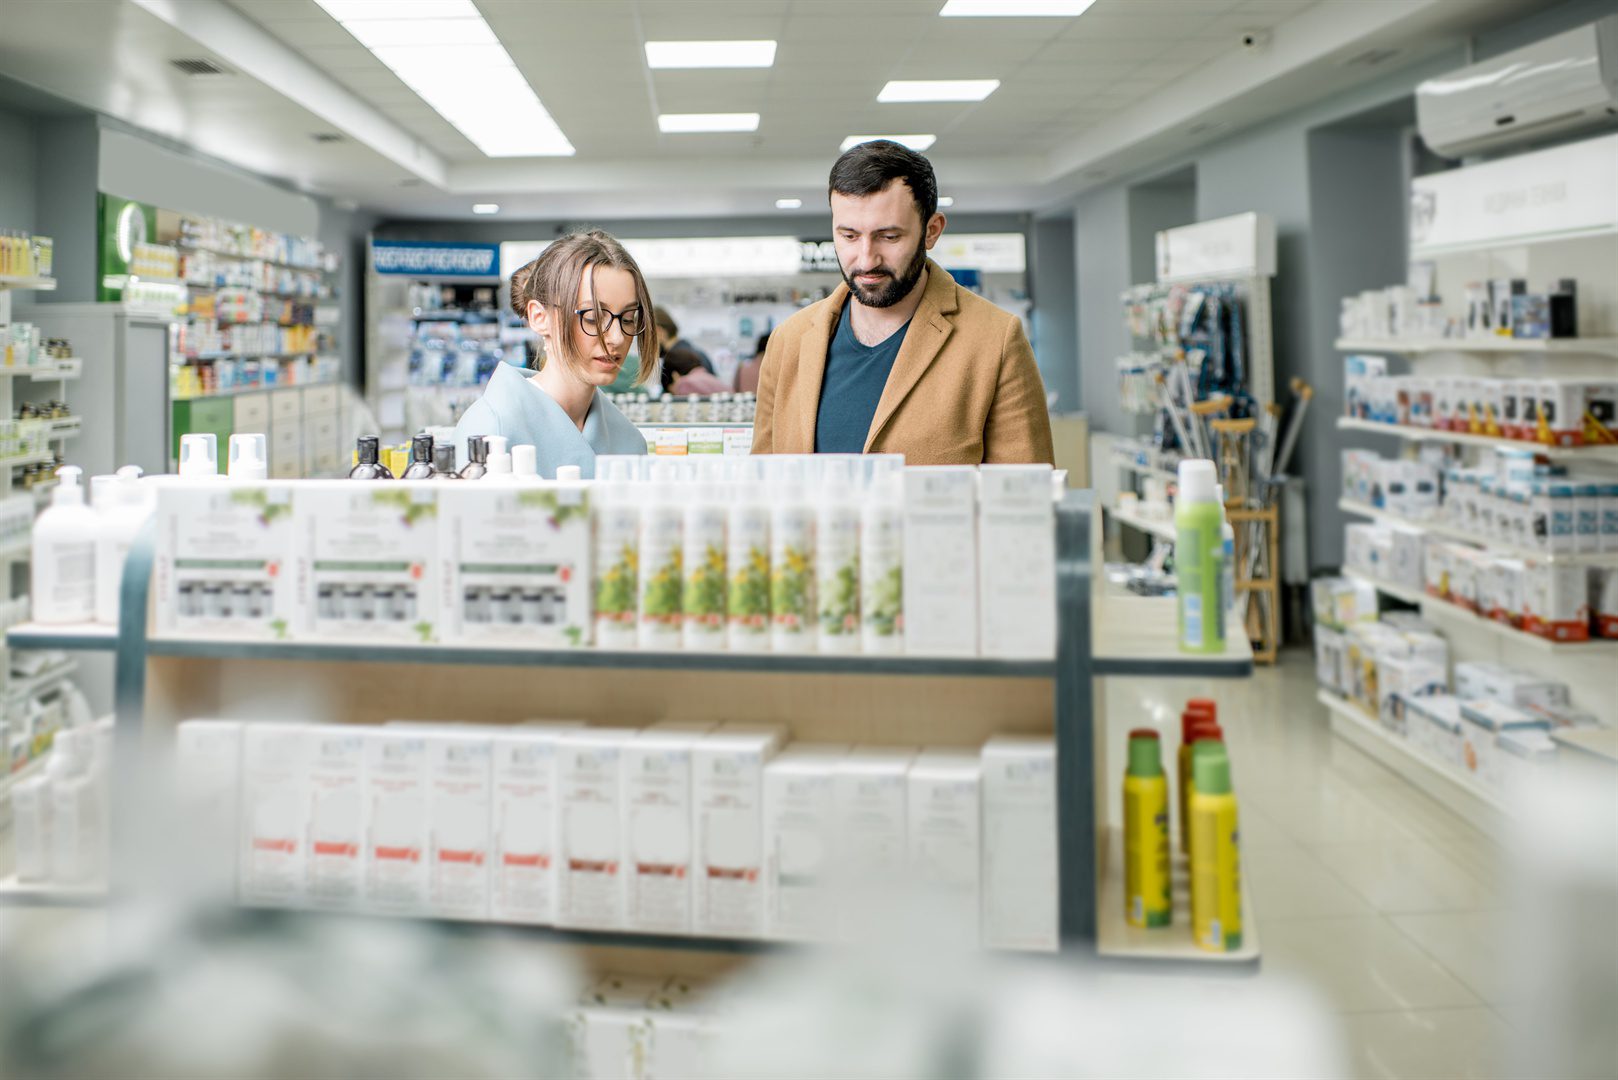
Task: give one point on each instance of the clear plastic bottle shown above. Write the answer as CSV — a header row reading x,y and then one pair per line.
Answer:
x,y
63,588
421,459
369,466
126,508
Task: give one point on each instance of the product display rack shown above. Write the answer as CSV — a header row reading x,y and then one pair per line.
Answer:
x,y
1602,346
1450,532
904,700
1591,454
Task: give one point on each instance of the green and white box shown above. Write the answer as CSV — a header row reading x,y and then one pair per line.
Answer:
x,y
224,559
516,564
367,560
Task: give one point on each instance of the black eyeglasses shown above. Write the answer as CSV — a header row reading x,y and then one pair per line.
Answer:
x,y
597,321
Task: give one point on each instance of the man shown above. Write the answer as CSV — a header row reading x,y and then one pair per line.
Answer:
x,y
669,334
899,359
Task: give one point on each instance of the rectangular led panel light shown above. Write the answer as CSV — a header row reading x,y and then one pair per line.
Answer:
x,y
788,204
710,54
447,54
1009,8
938,90
691,123
918,143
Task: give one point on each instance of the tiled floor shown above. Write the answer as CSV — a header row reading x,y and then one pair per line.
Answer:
x,y
1382,899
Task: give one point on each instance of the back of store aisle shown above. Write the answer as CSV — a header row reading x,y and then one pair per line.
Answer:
x,y
303,233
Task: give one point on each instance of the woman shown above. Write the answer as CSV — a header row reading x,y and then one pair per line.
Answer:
x,y
586,299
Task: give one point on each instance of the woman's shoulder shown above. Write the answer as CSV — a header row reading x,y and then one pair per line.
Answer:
x,y
623,436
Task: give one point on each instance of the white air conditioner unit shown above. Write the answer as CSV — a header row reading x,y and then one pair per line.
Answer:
x,y
1554,86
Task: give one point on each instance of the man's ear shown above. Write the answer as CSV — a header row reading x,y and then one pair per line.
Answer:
x,y
935,229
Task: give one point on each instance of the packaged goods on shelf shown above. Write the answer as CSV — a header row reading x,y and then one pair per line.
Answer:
x,y
799,839
397,827
1561,411
525,794
459,802
657,779
1501,307
1016,561
944,823
273,857
61,815
940,562
589,829
223,558
1341,602
1019,843
24,255
335,869
367,561
1483,723
870,800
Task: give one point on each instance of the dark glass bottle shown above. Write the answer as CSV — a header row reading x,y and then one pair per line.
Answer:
x,y
477,452
444,462
421,459
370,466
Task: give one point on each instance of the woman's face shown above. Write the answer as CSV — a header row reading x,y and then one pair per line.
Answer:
x,y
603,350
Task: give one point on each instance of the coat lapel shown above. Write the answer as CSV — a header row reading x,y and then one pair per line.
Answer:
x,y
929,329
812,350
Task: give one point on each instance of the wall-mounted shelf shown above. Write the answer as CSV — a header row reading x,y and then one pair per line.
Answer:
x,y
1593,454
75,637
70,368
37,284
1602,346
239,391
1440,608
1451,532
1162,528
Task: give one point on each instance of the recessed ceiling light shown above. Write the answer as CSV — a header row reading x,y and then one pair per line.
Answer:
x,y
446,53
485,208
788,204
938,90
918,143
1008,8
946,200
710,54
687,123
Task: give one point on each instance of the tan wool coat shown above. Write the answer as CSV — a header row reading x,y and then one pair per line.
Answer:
x,y
964,388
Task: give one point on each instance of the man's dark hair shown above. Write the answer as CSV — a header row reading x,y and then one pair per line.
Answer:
x,y
871,166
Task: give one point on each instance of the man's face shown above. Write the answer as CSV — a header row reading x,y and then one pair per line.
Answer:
x,y
881,243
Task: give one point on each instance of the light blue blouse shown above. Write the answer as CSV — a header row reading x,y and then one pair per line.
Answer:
x,y
517,409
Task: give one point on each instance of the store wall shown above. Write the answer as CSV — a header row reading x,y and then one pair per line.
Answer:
x,y
16,171
347,232
1055,311
1102,272
68,150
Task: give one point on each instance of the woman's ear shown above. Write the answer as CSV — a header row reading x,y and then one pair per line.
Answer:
x,y
539,318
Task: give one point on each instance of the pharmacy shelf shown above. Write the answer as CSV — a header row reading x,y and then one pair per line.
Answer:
x,y
1603,455
1465,797
1602,346
14,893
1599,742
1162,528
249,355
1442,609
1450,532
72,637
21,549
71,369
720,425
239,391
1137,636
37,458
64,428
38,284
1117,939
32,684
222,253
492,655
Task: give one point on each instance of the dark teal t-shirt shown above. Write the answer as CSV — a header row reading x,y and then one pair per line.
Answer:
x,y
852,387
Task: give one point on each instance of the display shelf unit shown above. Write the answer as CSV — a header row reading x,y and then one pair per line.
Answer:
x,y
1450,532
1464,796
1162,528
1596,454
264,389
71,637
1439,608
1167,944
59,371
14,893
30,284
901,700
1601,346
1598,743
30,684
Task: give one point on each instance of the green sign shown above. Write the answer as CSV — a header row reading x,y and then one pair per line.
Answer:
x,y
124,223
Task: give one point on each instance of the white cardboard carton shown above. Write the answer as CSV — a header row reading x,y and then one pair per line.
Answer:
x,y
523,826
944,822
589,828
871,838
727,798
940,561
367,560
1019,843
335,871
224,559
799,828
657,828
275,809
459,779
396,822
208,783
1016,562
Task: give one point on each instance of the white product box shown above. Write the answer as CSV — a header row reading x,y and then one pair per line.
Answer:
x,y
1404,565
871,839
208,786
1435,727
1524,758
727,798
1604,600
940,561
657,828
799,836
1505,591
1485,721
589,828
1016,562
459,798
1556,601
223,560
607,1028
1331,659
677,1037
1519,688
944,823
1019,843
522,826
1609,517
367,560
275,807
397,833
517,564
1400,680
336,868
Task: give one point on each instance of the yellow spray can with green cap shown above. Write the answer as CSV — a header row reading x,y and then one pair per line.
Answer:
x,y
1146,833
1216,874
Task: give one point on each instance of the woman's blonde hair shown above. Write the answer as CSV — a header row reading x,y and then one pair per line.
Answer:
x,y
554,278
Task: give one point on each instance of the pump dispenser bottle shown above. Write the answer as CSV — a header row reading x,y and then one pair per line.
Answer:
x,y
477,456
525,464
63,589
498,463
199,456
370,466
444,462
421,459
248,457
126,508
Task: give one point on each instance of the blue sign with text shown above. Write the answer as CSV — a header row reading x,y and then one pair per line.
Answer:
x,y
432,258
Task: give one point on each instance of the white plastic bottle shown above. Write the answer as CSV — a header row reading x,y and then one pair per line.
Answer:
x,y
249,457
617,554
525,464
1227,570
63,589
704,605
78,812
837,556
199,456
748,559
662,578
792,558
499,463
569,474
126,506
882,534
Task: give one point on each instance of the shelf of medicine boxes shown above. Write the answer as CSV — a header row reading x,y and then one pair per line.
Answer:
x,y
1451,532
852,699
246,257
1602,346
1601,455
37,284
65,368
1444,609
1160,527
262,388
1465,796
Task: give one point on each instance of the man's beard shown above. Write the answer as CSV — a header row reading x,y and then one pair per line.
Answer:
x,y
894,289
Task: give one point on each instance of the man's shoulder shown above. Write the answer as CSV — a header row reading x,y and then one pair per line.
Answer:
x,y
789,334
982,314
